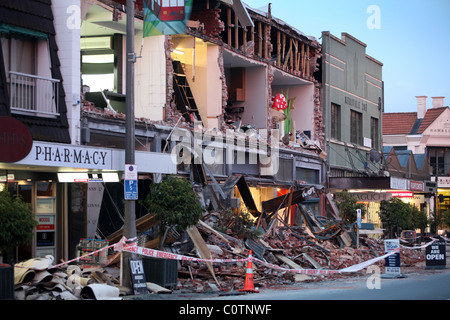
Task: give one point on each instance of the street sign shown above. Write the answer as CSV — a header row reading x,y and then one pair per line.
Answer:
x,y
358,217
131,172
131,190
131,182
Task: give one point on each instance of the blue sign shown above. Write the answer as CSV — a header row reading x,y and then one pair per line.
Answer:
x,y
131,190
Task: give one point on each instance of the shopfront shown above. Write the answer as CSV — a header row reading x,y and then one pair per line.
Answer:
x,y
371,191
66,186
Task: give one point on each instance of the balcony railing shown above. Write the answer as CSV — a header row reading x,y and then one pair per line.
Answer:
x,y
34,95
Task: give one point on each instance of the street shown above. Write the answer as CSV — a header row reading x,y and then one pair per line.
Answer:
x,y
427,285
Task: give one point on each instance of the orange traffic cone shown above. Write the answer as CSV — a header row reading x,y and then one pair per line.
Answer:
x,y
248,286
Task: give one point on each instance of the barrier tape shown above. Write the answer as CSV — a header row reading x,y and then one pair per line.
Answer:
x,y
420,247
117,247
129,246
165,255
351,269
173,256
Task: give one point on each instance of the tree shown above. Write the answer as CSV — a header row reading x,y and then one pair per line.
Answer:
x,y
419,219
348,205
174,203
17,222
446,218
396,215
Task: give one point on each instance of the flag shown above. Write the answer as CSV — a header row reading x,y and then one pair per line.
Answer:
x,y
165,17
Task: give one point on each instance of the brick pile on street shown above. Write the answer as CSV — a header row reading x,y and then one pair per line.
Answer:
x,y
287,247
307,253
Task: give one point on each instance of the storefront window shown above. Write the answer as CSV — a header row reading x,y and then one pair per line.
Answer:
x,y
45,210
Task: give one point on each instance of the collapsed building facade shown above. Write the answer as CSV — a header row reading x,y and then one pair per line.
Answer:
x,y
211,90
208,97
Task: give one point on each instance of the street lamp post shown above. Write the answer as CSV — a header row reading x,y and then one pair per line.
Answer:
x,y
129,229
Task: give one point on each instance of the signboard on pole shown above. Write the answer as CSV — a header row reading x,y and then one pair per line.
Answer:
x,y
435,256
131,182
358,217
392,263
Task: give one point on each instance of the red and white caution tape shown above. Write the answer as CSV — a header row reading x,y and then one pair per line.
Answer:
x,y
129,246
119,246
166,255
173,256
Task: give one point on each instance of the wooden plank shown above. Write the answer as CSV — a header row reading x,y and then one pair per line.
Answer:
x,y
312,261
245,39
217,233
278,48
296,56
202,248
303,58
346,239
288,261
308,65
291,45
229,25
297,277
260,52
333,206
266,44
236,32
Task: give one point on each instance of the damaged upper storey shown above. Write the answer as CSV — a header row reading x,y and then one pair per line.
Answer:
x,y
252,64
267,39
221,71
218,72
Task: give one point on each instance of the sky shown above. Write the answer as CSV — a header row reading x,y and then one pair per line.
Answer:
x,y
410,37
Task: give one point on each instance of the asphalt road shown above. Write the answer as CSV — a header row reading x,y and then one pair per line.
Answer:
x,y
431,285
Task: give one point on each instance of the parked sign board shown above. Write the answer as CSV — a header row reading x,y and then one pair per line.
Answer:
x,y
138,276
435,256
392,263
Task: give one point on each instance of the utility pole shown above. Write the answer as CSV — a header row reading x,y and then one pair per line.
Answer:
x,y
129,229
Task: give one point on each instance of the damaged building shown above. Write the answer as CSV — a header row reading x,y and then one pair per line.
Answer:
x,y
242,84
215,85
235,103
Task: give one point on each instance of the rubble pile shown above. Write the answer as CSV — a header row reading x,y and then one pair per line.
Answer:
x,y
286,247
36,279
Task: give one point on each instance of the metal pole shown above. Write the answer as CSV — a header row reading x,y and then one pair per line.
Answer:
x,y
129,229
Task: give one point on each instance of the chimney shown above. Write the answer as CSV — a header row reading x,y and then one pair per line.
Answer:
x,y
421,106
438,102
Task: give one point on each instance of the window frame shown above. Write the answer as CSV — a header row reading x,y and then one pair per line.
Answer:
x,y
356,127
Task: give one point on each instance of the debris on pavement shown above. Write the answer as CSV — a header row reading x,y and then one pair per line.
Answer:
x,y
319,243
